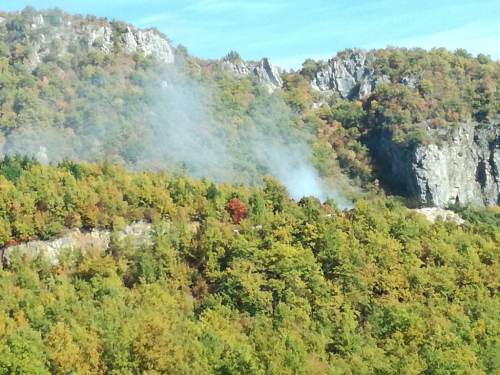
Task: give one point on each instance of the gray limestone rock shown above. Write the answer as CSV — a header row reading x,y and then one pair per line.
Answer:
x,y
463,169
146,41
433,213
38,21
76,239
351,76
384,78
152,44
410,80
238,70
265,72
268,75
34,60
149,43
322,101
128,40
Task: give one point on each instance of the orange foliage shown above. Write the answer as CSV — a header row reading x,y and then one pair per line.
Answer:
x,y
237,209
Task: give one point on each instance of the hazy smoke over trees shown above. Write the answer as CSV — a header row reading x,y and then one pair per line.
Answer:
x,y
234,132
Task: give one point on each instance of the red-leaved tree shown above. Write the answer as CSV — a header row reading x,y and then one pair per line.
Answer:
x,y
237,209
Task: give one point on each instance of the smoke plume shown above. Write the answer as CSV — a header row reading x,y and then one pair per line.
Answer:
x,y
185,130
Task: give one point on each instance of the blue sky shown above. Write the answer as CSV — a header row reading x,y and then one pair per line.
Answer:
x,y
288,31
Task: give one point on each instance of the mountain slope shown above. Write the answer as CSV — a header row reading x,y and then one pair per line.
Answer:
x,y
90,89
428,119
234,281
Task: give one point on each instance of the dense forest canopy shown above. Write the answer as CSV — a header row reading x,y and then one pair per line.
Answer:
x,y
237,277
240,281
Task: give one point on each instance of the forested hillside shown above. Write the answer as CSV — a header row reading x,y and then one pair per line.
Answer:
x,y
417,96
103,125
239,281
84,89
74,87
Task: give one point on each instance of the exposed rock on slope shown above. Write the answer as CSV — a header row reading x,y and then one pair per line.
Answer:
x,y
265,71
76,239
149,43
433,213
139,232
238,69
93,36
463,169
351,76
268,74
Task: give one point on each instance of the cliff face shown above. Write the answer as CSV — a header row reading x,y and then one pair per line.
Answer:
x,y
265,72
352,76
464,168
460,165
58,39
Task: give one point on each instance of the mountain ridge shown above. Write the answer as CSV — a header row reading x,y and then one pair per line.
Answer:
x,y
102,83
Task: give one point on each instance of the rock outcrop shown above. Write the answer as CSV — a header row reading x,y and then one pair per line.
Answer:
x,y
464,167
93,36
265,72
351,76
268,74
76,239
433,213
149,43
238,69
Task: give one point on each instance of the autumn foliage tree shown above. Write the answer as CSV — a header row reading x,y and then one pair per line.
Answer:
x,y
237,209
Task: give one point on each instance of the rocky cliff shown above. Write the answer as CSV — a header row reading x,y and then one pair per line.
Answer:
x,y
351,75
459,164
58,40
462,168
264,70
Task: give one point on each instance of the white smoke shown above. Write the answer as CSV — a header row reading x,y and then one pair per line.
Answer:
x,y
241,152
184,135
